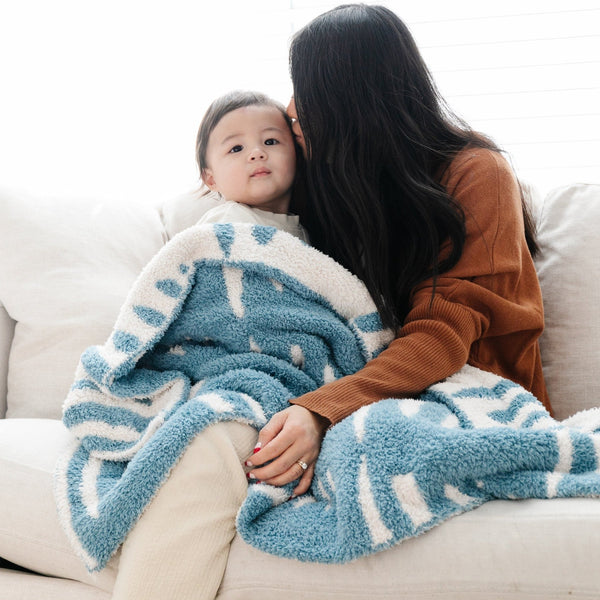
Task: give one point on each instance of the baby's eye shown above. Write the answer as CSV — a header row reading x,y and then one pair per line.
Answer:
x,y
236,148
271,142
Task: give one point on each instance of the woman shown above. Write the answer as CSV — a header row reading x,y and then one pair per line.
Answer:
x,y
429,215
421,208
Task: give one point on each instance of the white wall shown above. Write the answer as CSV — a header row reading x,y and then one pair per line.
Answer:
x,y
104,98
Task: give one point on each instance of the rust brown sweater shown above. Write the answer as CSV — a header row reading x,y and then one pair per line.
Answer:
x,y
487,310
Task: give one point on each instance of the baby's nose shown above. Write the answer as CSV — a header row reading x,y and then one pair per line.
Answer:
x,y
258,154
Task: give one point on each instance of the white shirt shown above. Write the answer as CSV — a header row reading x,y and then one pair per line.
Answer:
x,y
234,212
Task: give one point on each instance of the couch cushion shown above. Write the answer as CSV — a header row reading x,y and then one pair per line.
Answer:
x,y
27,586
185,210
7,329
569,272
521,549
66,266
30,533
528,549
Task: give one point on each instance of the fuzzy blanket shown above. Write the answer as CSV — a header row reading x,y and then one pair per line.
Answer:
x,y
396,468
225,323
230,322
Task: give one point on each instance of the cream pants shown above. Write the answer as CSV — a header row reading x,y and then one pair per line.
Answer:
x,y
178,549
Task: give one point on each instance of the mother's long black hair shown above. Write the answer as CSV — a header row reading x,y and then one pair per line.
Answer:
x,y
378,137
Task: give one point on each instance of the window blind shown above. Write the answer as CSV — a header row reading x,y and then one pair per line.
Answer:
x,y
104,99
527,73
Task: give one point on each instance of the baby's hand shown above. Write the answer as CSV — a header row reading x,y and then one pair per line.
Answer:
x,y
291,441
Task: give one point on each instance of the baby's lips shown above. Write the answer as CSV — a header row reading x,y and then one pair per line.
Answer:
x,y
261,171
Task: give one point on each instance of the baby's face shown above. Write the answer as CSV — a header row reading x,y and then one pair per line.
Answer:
x,y
251,158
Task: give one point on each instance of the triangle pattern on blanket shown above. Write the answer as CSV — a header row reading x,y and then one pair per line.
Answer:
x,y
228,322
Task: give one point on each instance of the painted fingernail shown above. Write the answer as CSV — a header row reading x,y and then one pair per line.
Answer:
x,y
257,448
248,464
252,475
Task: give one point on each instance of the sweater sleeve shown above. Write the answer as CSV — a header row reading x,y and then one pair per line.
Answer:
x,y
441,328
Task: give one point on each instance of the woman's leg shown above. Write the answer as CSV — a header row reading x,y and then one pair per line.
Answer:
x,y
179,547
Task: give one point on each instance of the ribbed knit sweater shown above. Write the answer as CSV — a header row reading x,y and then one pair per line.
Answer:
x,y
487,310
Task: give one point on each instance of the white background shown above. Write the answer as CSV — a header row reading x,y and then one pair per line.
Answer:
x,y
104,98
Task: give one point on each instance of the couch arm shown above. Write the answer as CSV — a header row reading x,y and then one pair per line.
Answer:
x,y
7,329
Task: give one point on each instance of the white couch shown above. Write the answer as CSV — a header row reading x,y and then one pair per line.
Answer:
x,y
65,267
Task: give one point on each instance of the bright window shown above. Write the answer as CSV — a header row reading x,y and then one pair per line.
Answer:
x,y
104,98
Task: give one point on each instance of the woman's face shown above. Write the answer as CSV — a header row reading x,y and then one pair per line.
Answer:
x,y
293,115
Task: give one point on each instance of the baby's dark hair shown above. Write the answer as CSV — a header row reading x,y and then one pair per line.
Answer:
x,y
224,105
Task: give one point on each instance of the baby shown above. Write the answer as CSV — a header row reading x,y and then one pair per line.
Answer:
x,y
246,152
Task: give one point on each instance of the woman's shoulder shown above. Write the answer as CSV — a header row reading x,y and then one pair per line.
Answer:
x,y
479,163
480,177
486,188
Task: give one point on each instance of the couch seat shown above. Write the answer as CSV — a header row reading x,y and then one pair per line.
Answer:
x,y
543,549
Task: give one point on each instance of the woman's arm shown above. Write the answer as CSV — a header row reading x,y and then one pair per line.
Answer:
x,y
443,324
486,310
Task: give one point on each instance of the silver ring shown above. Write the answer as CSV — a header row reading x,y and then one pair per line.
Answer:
x,y
302,465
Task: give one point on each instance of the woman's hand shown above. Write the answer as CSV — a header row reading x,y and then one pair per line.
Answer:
x,y
291,437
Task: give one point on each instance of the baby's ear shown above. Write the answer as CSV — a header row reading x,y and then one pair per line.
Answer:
x,y
209,180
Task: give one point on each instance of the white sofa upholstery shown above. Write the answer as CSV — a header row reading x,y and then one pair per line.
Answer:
x,y
66,266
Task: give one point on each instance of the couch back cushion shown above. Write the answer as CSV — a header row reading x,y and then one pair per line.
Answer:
x,y
569,272
7,329
66,266
183,211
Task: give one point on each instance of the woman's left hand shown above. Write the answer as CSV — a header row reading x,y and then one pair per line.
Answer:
x,y
291,439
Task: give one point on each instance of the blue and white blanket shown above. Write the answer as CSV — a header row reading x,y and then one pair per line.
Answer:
x,y
231,322
396,468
